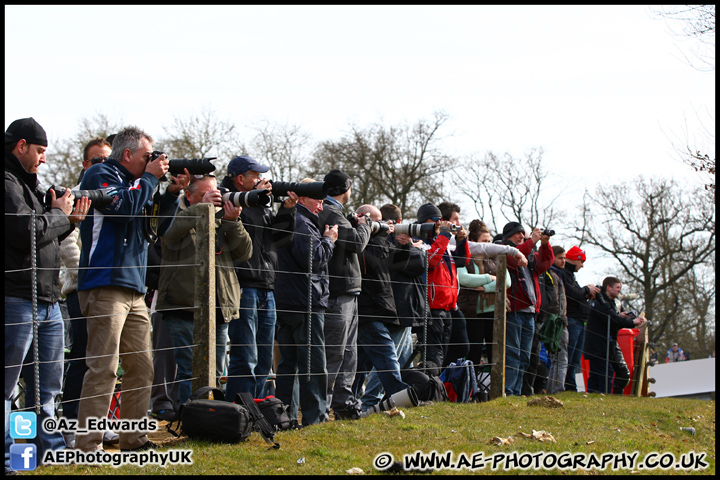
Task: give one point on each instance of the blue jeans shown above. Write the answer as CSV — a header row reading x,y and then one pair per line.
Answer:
x,y
251,339
181,333
576,340
292,372
18,351
519,331
376,349
402,339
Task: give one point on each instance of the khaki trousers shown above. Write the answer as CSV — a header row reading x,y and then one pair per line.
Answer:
x,y
118,326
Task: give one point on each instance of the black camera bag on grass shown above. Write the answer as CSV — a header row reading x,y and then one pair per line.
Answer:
x,y
214,420
276,413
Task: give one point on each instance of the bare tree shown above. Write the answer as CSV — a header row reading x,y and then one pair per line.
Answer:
x,y
694,22
400,164
65,154
510,189
284,147
660,237
200,136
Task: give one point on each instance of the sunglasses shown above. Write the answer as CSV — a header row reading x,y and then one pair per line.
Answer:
x,y
96,160
435,219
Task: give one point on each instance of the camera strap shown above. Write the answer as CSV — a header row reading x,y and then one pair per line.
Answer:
x,y
152,220
219,233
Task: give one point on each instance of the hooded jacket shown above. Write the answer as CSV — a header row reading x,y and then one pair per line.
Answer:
x,y
22,197
114,247
577,301
409,288
442,271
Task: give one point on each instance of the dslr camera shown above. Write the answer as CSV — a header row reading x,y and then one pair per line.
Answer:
x,y
99,198
420,230
195,166
316,190
375,227
253,198
548,232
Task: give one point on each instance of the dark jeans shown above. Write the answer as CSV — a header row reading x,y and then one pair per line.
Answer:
x,y
532,368
576,340
76,366
292,371
598,382
459,344
438,337
480,336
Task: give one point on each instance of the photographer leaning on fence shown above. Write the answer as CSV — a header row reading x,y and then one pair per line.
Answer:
x,y
176,288
604,319
25,146
111,282
252,336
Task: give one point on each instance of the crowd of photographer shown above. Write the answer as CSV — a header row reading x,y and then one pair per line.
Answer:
x,y
341,295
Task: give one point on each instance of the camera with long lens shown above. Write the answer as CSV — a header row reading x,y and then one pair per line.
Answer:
x,y
405,398
375,227
421,230
195,166
99,198
316,190
253,198
548,232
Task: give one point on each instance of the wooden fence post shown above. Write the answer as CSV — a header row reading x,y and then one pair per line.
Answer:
x,y
204,324
497,370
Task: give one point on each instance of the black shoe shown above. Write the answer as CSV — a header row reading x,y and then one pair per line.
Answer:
x,y
347,415
147,446
165,415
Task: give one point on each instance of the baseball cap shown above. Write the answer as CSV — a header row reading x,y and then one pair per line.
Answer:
x,y
244,163
26,129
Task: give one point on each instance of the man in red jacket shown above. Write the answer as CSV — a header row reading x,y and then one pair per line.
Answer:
x,y
524,299
442,282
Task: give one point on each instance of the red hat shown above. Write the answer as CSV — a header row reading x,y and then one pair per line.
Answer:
x,y
575,254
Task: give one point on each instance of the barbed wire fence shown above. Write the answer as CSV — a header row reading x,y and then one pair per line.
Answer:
x,y
204,334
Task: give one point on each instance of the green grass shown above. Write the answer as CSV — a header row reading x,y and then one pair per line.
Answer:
x,y
587,424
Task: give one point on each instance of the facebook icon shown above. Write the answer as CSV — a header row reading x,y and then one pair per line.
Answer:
x,y
23,456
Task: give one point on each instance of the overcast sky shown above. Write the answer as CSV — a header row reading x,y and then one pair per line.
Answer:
x,y
604,90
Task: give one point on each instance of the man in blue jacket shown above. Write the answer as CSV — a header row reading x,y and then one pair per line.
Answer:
x,y
111,282
309,253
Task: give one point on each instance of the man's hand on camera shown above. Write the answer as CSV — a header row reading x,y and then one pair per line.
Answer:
x,y
180,182
159,166
461,234
263,184
362,219
331,231
291,201
81,209
212,196
232,212
537,234
402,238
64,203
443,226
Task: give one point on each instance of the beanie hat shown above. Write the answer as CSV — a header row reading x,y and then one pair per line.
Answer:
x,y
511,229
575,254
338,182
426,211
26,129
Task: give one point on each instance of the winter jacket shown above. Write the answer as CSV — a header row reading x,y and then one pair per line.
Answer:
x,y
344,264
291,287
602,309
176,288
442,271
577,301
114,245
476,273
555,291
524,293
409,288
268,231
376,301
22,197
70,257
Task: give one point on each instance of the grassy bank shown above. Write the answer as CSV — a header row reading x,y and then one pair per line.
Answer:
x,y
587,424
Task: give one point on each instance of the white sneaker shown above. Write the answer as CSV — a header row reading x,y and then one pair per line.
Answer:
x,y
111,437
69,440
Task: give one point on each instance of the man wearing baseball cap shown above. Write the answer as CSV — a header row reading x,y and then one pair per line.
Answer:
x,y
253,334
577,311
25,147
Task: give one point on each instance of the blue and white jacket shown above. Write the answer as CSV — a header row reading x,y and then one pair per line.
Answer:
x,y
114,248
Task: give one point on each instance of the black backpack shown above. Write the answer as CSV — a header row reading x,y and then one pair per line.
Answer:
x,y
276,413
214,420
427,387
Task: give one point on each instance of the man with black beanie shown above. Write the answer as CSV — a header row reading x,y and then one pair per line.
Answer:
x,y
341,316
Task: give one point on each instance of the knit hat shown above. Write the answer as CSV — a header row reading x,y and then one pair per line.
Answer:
x,y
244,163
426,211
575,254
26,129
511,229
338,182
